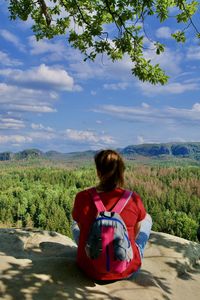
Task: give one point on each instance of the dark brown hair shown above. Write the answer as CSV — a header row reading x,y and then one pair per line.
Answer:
x,y
110,169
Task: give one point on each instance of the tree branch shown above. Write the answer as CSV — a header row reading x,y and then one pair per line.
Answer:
x,y
44,10
113,16
82,16
190,18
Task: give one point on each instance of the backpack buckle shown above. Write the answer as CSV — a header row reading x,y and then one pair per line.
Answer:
x,y
107,214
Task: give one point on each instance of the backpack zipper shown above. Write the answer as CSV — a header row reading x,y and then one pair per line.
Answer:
x,y
107,259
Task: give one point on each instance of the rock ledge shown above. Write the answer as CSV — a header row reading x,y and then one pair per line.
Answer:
x,y
40,265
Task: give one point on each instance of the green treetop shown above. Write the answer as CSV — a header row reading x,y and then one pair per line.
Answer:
x,y
86,24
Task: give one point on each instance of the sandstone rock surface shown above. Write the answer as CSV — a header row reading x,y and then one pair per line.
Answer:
x,y
40,265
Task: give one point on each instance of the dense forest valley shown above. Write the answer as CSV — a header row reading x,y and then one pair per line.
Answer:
x,y
37,194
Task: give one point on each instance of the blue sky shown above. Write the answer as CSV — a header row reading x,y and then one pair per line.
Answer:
x,y
50,99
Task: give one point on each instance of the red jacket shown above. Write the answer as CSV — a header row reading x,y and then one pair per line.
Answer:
x,y
84,213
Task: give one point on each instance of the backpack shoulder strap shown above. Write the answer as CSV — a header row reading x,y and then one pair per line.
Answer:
x,y
122,202
97,200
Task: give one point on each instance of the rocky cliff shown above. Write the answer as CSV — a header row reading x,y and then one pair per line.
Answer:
x,y
40,265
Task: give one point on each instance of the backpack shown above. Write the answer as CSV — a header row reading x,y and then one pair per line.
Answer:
x,y
108,246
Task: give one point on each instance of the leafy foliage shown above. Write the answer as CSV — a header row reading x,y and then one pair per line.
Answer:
x,y
86,24
43,196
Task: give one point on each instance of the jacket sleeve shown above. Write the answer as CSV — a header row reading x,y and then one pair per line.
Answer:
x,y
141,209
76,211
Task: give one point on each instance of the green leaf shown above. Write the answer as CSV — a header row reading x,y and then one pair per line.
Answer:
x,y
179,36
198,35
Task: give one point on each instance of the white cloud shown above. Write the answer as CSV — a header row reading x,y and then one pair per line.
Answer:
x,y
45,46
119,69
10,37
88,136
31,108
30,137
171,88
10,93
25,100
102,68
53,95
169,60
192,114
42,77
193,53
145,105
19,139
24,25
137,113
148,114
116,86
7,61
196,107
85,70
42,135
163,32
140,139
39,132
93,93
11,123
41,127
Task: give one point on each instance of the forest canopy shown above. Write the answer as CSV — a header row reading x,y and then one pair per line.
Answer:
x,y
112,27
43,196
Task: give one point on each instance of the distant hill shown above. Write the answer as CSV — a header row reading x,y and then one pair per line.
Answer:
x,y
28,153
168,150
189,150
